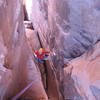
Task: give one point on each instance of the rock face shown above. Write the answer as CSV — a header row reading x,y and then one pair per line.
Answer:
x,y
82,78
17,66
48,74
69,28
74,22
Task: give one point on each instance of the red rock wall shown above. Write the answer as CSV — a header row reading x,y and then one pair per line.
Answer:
x,y
82,78
69,28
17,57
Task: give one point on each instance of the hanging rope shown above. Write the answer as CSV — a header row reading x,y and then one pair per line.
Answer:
x,y
24,90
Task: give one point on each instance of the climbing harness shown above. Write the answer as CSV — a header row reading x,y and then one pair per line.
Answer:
x,y
41,56
47,58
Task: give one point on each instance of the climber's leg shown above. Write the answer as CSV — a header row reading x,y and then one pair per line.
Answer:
x,y
40,61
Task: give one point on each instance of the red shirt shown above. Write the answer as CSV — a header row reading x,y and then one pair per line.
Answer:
x,y
41,56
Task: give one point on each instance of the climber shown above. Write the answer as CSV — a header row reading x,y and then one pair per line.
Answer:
x,y
41,55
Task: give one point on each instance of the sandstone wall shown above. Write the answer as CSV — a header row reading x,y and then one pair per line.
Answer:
x,y
82,78
74,22
69,28
17,64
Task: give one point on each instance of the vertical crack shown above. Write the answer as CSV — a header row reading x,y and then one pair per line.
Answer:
x,y
45,66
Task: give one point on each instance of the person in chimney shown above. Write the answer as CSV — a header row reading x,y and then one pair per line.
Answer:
x,y
41,55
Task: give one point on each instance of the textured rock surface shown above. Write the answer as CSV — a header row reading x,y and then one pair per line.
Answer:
x,y
69,28
16,55
47,70
74,22
82,78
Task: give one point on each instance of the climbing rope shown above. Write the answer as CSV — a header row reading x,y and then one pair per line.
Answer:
x,y
23,90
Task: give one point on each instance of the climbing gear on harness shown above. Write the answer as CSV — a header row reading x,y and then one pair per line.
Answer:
x,y
41,55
